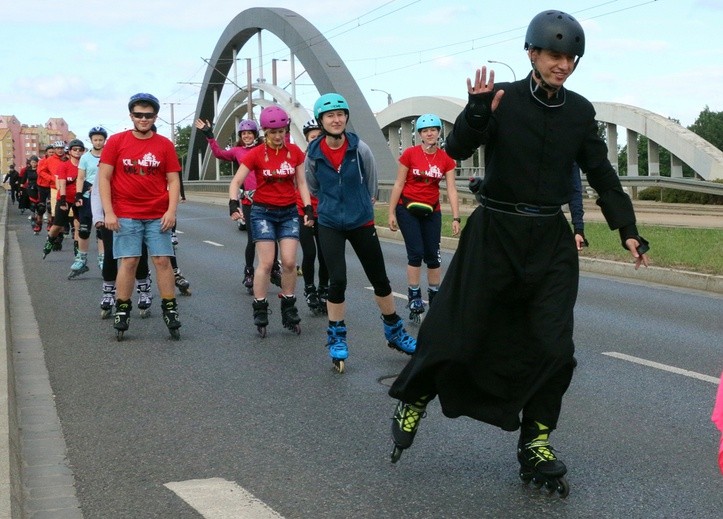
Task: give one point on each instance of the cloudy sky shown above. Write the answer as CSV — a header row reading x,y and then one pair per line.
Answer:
x,y
82,60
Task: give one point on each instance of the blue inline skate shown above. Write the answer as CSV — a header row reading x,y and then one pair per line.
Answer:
x,y
398,338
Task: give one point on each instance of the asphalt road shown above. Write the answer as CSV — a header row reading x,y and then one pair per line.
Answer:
x,y
272,417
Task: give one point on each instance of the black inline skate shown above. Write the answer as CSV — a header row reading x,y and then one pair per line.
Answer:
x,y
248,281
538,463
122,317
170,317
289,314
276,274
261,315
405,423
415,304
323,294
431,294
312,299
182,283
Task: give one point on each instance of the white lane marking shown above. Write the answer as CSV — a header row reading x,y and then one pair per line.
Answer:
x,y
663,367
213,243
217,498
179,232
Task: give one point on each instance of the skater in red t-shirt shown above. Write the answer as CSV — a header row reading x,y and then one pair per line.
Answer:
x,y
138,178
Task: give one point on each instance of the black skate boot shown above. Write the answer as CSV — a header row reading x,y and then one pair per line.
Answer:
x,y
415,304
431,294
48,247
323,294
538,462
312,299
276,274
289,314
122,317
58,243
248,281
182,283
261,315
170,317
405,424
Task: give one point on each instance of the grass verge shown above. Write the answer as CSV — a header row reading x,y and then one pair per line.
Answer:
x,y
691,249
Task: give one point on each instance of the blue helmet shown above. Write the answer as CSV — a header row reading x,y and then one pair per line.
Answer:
x,y
144,98
98,130
329,102
428,121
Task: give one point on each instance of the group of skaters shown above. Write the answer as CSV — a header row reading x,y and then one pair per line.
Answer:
x,y
136,168
496,343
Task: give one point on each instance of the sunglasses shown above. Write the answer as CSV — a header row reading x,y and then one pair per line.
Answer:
x,y
143,115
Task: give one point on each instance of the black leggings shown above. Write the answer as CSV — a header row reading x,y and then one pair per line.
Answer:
x,y
365,243
310,246
110,265
250,251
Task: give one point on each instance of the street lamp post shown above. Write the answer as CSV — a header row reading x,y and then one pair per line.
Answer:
x,y
389,96
506,65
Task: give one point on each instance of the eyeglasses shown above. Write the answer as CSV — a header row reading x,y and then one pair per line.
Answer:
x,y
143,115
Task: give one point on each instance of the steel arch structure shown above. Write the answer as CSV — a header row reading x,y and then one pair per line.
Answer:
x,y
323,65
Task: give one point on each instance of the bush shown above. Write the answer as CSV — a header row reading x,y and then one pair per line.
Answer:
x,y
679,196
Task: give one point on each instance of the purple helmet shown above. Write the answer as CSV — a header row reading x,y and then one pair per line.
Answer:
x,y
247,125
273,117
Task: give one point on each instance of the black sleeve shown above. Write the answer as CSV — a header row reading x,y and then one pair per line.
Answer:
x,y
463,140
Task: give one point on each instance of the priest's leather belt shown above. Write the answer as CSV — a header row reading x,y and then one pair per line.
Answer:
x,y
519,208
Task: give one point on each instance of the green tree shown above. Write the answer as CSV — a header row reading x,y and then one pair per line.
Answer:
x,y
709,125
183,138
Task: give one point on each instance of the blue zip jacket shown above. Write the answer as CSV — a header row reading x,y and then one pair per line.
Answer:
x,y
345,196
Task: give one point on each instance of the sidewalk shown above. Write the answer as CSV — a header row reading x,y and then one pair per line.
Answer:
x,y
652,213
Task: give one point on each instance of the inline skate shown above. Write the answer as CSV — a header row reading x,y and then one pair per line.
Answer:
x,y
170,317
337,345
261,315
248,281
323,294
145,298
431,294
538,463
107,302
398,338
289,314
182,283
79,266
405,423
276,274
101,256
122,317
312,299
415,304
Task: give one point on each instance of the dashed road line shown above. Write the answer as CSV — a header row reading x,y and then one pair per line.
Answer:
x,y
213,243
217,498
662,367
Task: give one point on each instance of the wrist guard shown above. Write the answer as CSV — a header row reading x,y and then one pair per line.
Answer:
x,y
208,132
479,110
309,212
233,207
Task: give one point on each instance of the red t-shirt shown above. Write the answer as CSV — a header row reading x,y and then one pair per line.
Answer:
x,y
69,172
275,172
335,156
425,171
139,188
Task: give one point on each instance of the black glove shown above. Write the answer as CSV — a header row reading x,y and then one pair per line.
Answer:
x,y
479,110
207,131
233,207
309,212
78,197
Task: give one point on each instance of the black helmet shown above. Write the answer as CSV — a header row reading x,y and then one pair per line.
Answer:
x,y
76,143
556,31
144,98
34,157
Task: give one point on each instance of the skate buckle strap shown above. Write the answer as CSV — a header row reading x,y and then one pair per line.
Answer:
x,y
540,451
409,417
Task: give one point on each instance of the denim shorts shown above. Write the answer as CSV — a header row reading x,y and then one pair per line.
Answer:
x,y
129,239
273,224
